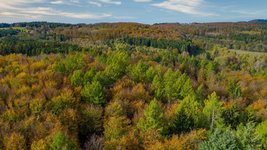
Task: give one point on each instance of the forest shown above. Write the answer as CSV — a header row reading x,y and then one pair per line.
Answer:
x,y
131,86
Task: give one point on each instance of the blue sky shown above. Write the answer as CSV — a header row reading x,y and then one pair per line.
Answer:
x,y
143,11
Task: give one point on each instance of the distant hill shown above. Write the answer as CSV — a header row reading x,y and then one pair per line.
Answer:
x,y
259,21
34,24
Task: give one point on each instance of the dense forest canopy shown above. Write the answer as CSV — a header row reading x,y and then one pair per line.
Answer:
x,y
133,86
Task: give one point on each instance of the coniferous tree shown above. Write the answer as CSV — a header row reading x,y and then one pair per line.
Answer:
x,y
213,111
158,87
247,137
61,141
137,71
261,131
153,118
234,89
220,140
76,78
89,76
188,116
93,93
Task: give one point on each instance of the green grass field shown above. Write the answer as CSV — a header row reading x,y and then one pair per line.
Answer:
x,y
248,52
22,29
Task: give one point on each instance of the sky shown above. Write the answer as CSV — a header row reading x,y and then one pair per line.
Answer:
x,y
142,11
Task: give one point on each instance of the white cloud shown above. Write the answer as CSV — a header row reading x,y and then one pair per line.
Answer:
x,y
143,1
111,2
51,12
124,17
183,6
95,3
75,1
100,3
25,9
16,15
56,2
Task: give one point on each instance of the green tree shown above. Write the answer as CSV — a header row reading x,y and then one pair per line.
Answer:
x,y
77,78
261,131
153,117
187,88
232,116
61,141
89,76
213,111
247,137
158,87
59,67
200,93
137,71
220,140
150,74
93,93
234,89
188,116
171,86
62,102
116,64
74,62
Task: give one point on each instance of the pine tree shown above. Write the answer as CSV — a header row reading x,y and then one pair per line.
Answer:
x,y
76,79
116,64
188,116
153,117
61,141
150,74
187,88
200,93
137,71
93,93
89,76
220,140
212,111
234,89
246,134
261,131
157,86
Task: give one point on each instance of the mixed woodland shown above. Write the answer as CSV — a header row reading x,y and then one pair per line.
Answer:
x,y
130,86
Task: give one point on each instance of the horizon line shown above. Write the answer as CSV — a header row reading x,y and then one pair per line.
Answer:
x,y
103,22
